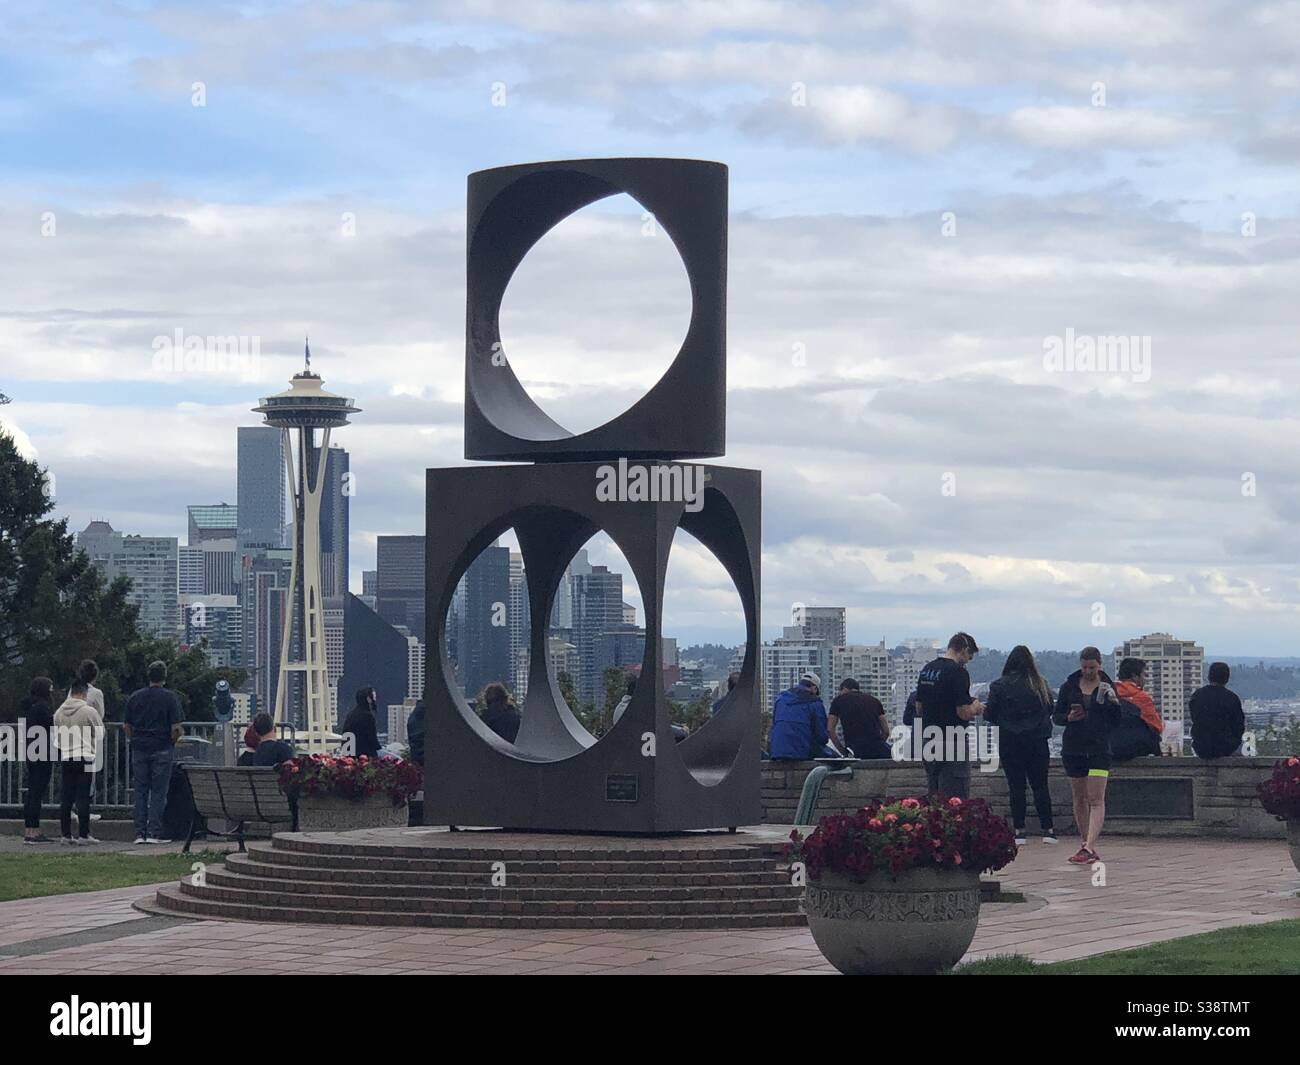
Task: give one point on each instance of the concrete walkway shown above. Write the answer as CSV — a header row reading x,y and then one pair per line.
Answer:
x,y
1155,889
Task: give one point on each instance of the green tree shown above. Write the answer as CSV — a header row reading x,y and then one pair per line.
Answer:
x,y
56,609
1280,740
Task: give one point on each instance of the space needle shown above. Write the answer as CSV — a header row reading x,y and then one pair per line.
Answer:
x,y
306,407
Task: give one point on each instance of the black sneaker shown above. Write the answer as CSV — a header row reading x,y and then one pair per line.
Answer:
x,y
1049,836
32,841
1020,837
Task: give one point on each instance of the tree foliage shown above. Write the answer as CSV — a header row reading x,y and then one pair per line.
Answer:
x,y
56,609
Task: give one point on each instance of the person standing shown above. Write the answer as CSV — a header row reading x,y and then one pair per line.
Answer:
x,y
1089,709
1020,705
862,718
35,712
360,722
153,725
78,729
89,672
799,723
944,703
1218,723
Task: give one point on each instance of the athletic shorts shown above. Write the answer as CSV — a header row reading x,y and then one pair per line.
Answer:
x,y
1076,765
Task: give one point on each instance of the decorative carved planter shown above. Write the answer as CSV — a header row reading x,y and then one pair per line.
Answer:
x,y
330,813
921,921
1293,838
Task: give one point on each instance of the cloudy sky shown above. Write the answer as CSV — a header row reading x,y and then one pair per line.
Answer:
x,y
924,195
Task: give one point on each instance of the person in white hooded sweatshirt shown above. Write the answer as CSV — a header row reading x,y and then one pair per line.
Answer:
x,y
78,733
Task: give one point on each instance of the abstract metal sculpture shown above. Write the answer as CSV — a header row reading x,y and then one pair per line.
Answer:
x,y
555,775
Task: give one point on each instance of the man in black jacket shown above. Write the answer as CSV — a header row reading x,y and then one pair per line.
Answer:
x,y
1218,722
360,722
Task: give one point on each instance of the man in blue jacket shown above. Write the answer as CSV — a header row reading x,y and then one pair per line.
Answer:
x,y
799,722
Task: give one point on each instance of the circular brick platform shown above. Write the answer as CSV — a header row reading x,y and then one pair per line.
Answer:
x,y
437,879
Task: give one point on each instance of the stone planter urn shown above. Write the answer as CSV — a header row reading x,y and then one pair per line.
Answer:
x,y
332,813
1293,838
920,921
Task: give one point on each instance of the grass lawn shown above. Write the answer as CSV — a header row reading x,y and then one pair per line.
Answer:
x,y
29,876
1271,949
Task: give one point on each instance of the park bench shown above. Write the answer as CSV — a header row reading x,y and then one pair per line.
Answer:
x,y
239,795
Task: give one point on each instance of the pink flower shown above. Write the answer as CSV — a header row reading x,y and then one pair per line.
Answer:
x,y
910,804
874,822
891,817
954,801
956,859
908,828
1293,760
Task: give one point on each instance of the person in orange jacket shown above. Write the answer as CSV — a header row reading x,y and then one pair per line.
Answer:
x,y
1131,687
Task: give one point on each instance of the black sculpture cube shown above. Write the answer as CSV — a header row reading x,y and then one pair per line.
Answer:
x,y
510,209
556,776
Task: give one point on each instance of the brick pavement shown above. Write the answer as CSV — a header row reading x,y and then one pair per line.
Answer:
x,y
1155,889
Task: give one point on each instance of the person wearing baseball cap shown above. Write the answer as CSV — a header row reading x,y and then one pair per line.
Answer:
x,y
799,722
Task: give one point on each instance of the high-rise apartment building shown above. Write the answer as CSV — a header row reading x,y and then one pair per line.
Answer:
x,y
907,670
261,488
152,565
1176,669
869,665
215,620
829,623
788,658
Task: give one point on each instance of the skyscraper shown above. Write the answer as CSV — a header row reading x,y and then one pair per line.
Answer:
x,y
1177,668
519,627
151,563
597,607
399,582
483,622
212,521
263,594
334,525
261,487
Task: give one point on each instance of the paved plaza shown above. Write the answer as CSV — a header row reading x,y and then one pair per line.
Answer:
x,y
1156,889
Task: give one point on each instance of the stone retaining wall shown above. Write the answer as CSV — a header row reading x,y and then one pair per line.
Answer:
x,y
1151,796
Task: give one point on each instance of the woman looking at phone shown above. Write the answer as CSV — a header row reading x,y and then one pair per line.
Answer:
x,y
1088,708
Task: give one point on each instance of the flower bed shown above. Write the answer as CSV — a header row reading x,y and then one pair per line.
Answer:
x,y
323,775
1280,794
893,835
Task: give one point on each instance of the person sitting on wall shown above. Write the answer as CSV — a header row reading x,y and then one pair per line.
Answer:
x,y
1218,723
799,723
732,680
499,712
271,750
1139,728
863,719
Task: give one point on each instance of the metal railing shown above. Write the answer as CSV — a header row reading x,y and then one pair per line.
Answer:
x,y
112,788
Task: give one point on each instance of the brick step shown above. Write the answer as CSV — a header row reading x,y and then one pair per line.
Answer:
x,y
268,864
511,892
483,848
753,863
290,900
172,899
